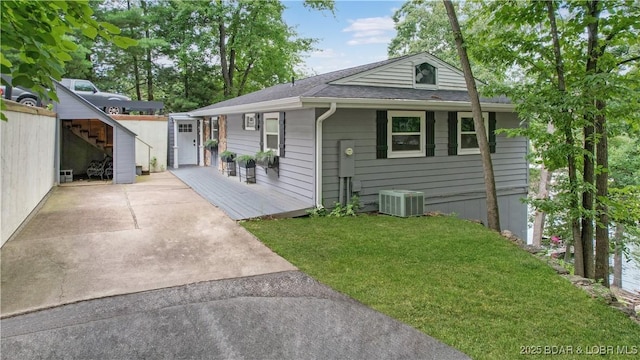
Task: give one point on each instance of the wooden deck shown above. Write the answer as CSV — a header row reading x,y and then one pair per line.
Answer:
x,y
237,199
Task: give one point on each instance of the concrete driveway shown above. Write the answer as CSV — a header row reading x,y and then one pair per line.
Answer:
x,y
101,240
166,275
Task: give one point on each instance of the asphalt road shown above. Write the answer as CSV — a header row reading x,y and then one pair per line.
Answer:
x,y
285,315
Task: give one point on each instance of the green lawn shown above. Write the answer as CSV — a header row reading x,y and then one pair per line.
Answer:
x,y
453,280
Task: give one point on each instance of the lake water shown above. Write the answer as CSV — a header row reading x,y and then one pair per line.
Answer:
x,y
630,275
630,270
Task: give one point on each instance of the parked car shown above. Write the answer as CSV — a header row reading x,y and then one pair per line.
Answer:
x,y
84,88
22,96
89,91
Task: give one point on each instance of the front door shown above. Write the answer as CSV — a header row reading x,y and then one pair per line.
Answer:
x,y
187,144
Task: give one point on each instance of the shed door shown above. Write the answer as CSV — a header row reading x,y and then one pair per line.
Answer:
x,y
187,145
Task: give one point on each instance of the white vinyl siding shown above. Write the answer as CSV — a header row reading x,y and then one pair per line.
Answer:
x,y
402,75
296,168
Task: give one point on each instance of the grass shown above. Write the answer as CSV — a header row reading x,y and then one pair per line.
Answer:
x,y
453,280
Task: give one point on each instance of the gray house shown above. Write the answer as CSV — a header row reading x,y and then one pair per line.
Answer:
x,y
402,125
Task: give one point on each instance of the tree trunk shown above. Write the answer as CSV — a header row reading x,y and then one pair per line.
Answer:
x,y
570,141
136,74
601,271
567,250
602,192
587,202
222,47
149,62
545,178
589,146
149,76
538,225
617,255
493,215
136,78
245,77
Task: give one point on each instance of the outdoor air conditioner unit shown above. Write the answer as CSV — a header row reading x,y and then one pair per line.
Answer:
x,y
403,203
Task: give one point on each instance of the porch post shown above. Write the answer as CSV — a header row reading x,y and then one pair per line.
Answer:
x,y
175,143
200,143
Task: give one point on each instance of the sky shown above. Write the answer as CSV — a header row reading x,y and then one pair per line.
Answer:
x,y
359,32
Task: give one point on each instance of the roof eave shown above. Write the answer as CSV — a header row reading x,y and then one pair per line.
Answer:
x,y
402,104
263,106
353,103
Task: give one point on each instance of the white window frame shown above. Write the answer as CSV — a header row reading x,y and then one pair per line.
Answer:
x,y
424,86
250,121
271,116
423,131
467,151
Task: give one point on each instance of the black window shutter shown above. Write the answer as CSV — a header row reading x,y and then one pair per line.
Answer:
x,y
492,132
281,133
261,127
381,134
431,136
244,119
453,133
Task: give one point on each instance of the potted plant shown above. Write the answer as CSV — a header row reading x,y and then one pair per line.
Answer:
x,y
267,159
228,156
211,144
246,161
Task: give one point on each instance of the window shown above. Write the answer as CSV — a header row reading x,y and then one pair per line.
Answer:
x,y
272,132
249,121
214,128
81,85
425,74
467,141
185,127
406,133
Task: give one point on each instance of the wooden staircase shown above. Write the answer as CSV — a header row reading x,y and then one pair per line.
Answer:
x,y
94,132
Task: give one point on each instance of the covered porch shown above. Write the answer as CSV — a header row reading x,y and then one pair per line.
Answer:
x,y
237,199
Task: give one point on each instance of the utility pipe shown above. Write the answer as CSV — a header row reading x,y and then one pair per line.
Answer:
x,y
319,121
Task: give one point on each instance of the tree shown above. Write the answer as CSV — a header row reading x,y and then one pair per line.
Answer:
x,y
423,25
493,214
132,69
624,207
181,59
594,76
253,39
35,42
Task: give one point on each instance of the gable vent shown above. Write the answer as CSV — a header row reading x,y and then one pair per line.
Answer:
x,y
402,203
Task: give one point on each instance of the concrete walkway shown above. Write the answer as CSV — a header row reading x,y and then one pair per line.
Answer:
x,y
94,241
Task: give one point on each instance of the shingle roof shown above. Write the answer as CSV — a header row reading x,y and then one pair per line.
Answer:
x,y
376,92
319,86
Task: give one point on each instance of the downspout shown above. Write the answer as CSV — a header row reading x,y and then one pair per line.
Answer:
x,y
320,120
